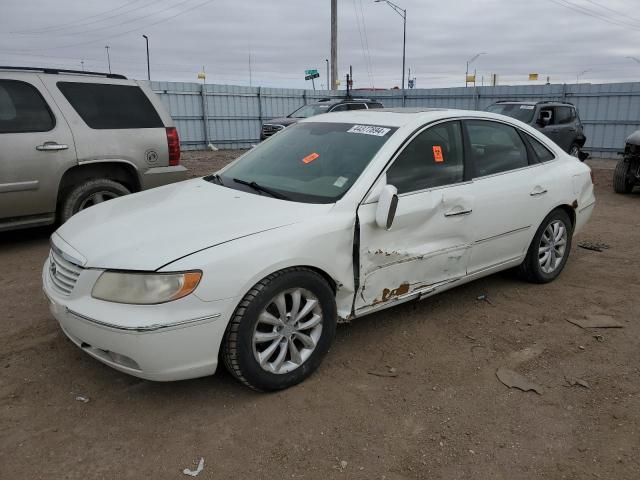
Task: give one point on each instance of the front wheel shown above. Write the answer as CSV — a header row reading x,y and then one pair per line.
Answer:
x,y
549,249
89,193
281,330
621,181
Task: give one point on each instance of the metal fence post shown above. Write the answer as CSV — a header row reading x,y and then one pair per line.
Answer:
x,y
564,91
476,98
205,114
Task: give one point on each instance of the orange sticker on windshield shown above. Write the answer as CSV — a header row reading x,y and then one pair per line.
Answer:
x,y
310,158
437,154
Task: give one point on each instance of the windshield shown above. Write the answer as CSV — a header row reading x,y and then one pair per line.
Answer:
x,y
309,111
519,111
308,162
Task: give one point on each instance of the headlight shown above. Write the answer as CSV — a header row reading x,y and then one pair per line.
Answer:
x,y
144,288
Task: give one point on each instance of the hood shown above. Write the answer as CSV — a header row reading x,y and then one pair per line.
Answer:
x,y
150,229
286,121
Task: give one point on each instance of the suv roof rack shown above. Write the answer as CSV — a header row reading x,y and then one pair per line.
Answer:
x,y
535,102
556,101
344,99
55,71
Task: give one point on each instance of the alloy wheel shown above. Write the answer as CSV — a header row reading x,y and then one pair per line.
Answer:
x,y
553,245
287,331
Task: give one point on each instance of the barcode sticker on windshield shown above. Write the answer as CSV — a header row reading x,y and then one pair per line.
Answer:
x,y
527,107
369,130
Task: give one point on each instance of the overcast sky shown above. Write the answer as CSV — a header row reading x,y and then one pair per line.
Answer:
x,y
558,38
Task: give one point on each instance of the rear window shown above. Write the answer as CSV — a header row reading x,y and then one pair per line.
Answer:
x,y
22,109
103,106
519,111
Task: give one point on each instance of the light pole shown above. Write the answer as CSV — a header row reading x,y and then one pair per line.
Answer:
x,y
580,74
403,13
328,79
148,68
469,62
108,57
82,64
635,59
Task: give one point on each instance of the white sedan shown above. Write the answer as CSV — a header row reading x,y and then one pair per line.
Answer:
x,y
331,219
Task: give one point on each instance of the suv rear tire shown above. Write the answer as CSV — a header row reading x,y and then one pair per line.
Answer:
x,y
621,183
90,193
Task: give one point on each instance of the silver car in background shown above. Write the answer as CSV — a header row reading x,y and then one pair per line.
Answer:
x,y
70,140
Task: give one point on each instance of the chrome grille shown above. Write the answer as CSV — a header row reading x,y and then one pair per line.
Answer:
x,y
63,273
268,129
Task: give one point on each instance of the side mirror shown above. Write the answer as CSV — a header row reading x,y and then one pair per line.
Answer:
x,y
387,204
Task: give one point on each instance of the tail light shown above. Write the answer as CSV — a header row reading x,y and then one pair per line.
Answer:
x,y
173,142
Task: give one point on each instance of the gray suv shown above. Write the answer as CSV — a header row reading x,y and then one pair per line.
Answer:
x,y
557,120
70,139
324,105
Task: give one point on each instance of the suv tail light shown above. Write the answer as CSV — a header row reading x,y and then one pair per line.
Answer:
x,y
173,142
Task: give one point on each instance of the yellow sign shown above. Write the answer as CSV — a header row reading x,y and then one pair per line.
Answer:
x,y
201,76
471,79
533,77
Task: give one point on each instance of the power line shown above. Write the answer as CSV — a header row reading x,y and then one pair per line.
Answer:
x,y
131,20
364,53
366,42
591,13
616,12
82,21
137,29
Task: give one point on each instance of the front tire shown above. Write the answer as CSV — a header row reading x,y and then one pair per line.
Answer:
x,y
621,181
281,330
90,193
549,249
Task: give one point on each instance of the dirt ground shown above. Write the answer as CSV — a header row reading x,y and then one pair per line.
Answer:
x,y
444,415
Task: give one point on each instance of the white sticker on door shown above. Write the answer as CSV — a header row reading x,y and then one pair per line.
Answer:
x,y
527,107
369,130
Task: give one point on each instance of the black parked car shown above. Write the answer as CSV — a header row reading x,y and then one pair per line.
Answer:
x,y
557,120
627,173
324,105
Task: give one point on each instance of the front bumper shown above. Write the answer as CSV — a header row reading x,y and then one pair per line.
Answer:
x,y
158,176
171,341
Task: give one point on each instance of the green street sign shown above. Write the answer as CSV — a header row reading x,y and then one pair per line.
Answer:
x,y
310,72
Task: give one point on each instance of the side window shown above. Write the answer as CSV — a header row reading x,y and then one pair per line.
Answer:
x,y
434,158
563,115
340,108
22,108
356,106
105,106
495,147
542,152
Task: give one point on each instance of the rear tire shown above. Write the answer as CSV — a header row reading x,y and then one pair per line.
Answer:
x,y
621,182
90,193
549,249
574,150
271,343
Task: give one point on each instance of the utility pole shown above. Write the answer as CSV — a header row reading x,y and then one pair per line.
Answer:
x,y
82,64
148,68
328,79
334,45
250,72
108,58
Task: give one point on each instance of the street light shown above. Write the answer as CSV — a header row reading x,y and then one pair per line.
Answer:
x,y
108,58
580,74
328,79
469,62
148,69
635,59
403,13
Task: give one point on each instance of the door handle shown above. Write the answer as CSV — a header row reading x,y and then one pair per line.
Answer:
x,y
454,213
541,191
51,147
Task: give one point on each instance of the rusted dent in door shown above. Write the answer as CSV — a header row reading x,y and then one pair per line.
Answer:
x,y
388,294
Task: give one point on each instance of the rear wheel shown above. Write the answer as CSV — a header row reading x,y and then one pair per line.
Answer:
x,y
549,249
281,330
622,183
89,193
574,150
